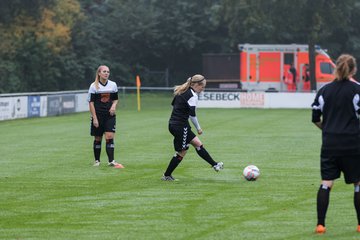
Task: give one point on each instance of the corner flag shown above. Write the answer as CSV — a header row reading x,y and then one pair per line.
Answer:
x,y
138,85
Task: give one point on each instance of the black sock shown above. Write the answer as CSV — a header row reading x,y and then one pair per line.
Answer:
x,y
323,197
357,202
110,149
201,151
174,162
97,149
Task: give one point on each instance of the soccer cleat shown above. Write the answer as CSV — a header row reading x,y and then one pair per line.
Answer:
x,y
320,229
97,163
168,178
218,166
115,164
358,228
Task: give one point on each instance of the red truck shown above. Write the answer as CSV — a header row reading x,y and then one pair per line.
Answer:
x,y
267,67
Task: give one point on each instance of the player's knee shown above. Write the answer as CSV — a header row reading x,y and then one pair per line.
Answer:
x,y
199,147
180,155
196,143
328,184
109,135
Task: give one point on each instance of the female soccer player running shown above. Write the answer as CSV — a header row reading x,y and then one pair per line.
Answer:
x,y
184,107
336,112
103,98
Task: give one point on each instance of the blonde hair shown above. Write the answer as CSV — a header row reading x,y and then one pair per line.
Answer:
x,y
345,67
97,77
191,81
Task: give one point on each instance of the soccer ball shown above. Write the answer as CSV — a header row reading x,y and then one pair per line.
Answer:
x,y
251,173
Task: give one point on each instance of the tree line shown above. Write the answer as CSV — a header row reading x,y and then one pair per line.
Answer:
x,y
50,45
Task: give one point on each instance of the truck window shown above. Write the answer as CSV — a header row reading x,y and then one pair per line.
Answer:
x,y
288,58
326,68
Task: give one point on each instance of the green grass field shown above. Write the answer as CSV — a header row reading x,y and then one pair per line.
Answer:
x,y
50,190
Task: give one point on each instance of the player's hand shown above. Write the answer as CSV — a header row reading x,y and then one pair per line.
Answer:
x,y
200,131
95,123
112,111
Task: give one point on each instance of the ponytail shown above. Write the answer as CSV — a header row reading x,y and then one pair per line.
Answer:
x,y
196,79
345,67
179,89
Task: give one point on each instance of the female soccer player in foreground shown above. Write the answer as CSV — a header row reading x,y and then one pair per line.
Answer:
x,y
103,97
184,106
336,112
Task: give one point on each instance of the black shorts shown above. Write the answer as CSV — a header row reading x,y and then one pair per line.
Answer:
x,y
107,123
182,136
331,168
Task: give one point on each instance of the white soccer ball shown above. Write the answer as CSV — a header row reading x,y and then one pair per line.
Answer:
x,y
251,173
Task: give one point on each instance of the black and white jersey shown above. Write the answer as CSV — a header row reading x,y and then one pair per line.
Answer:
x,y
103,97
184,106
338,104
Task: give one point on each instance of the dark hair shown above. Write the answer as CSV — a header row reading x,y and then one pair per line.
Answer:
x,y
345,66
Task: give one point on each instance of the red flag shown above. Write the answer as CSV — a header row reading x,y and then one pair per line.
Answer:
x,y
138,83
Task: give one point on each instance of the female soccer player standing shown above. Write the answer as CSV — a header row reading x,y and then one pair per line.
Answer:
x,y
103,98
336,110
184,106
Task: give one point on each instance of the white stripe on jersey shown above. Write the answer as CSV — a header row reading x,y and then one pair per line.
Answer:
x,y
356,100
110,87
193,101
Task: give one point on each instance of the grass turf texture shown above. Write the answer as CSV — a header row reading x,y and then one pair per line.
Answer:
x,y
50,190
